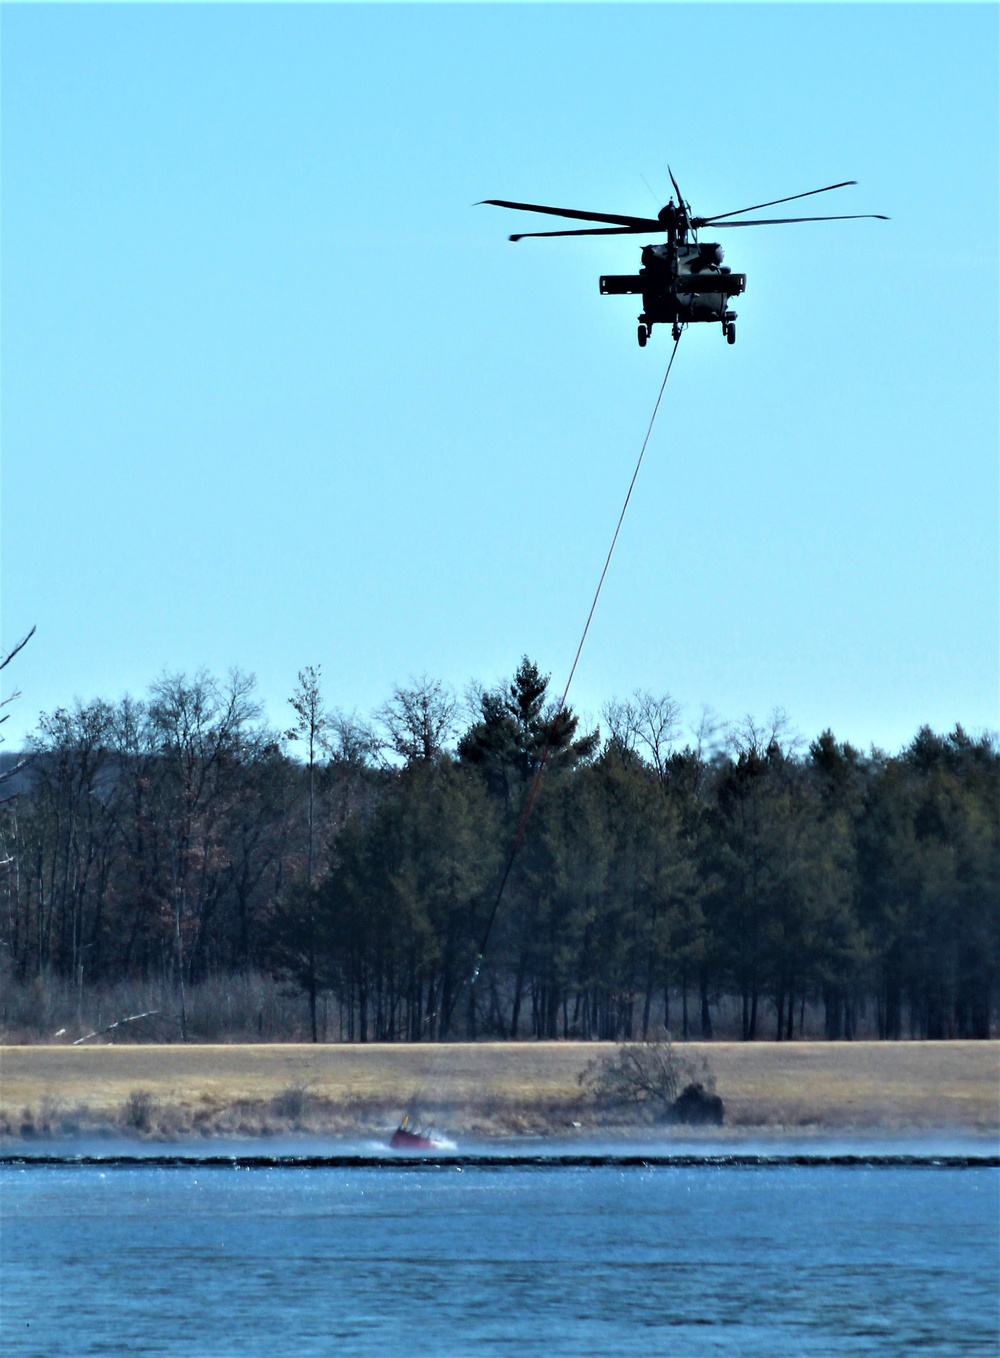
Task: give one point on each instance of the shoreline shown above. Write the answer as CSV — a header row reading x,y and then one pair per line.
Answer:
x,y
179,1093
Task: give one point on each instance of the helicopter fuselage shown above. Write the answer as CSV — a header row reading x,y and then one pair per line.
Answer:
x,y
682,281
680,284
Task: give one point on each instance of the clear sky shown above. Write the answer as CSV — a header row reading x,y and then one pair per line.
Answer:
x,y
275,393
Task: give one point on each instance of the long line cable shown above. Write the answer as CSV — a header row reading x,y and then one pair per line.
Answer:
x,y
530,800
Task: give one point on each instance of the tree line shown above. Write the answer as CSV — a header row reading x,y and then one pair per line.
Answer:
x,y
180,836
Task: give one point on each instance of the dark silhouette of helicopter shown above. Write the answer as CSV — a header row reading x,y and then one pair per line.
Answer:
x,y
684,280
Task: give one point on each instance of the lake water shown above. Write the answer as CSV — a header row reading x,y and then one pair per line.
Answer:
x,y
208,1262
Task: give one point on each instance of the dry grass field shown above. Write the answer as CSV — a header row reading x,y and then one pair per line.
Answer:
x,y
486,1088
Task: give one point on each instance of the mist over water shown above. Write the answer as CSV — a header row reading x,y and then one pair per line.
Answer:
x,y
210,1261
708,1143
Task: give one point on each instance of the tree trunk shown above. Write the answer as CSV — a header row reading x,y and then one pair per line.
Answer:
x,y
647,1003
312,992
180,972
706,1013
518,992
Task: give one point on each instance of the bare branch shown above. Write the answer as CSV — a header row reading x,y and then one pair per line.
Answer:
x,y
6,659
13,770
99,1032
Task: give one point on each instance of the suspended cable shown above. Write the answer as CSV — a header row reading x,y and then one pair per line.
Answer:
x,y
406,1136
529,802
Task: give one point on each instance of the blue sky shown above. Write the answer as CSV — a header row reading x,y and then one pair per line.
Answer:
x,y
275,393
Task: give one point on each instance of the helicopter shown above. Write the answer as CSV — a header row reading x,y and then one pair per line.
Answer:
x,y
684,280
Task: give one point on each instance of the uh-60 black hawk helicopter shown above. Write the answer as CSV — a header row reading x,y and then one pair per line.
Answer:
x,y
684,280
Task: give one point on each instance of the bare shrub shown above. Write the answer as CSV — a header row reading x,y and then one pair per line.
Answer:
x,y
651,1080
138,1110
241,1007
247,1006
290,1103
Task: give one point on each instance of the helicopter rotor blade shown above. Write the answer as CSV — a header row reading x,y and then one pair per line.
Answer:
x,y
708,221
784,221
589,231
638,223
680,196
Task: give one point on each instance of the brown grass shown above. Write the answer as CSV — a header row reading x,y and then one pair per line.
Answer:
x,y
483,1087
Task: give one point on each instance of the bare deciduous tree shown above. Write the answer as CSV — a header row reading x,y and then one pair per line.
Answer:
x,y
5,659
205,731
313,727
755,738
645,725
419,720
354,742
651,1078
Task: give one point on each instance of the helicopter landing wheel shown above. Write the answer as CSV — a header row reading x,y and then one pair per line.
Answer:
x,y
731,333
643,336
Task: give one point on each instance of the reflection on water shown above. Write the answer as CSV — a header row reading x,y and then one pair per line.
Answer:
x,y
217,1262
